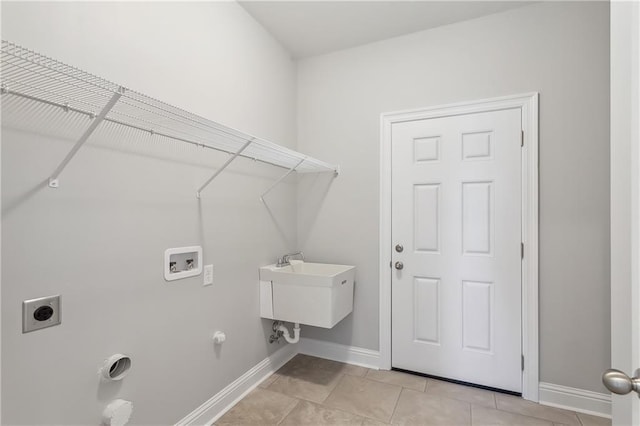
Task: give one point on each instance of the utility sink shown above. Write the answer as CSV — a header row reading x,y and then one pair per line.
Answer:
x,y
306,273
318,294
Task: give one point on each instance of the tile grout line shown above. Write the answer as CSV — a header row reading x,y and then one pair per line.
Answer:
x,y
553,422
342,376
309,366
456,398
340,410
426,384
395,406
289,412
574,413
372,381
366,376
524,415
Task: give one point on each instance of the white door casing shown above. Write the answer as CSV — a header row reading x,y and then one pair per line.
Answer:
x,y
625,202
527,105
456,304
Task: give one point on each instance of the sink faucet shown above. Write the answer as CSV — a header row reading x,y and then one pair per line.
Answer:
x,y
284,260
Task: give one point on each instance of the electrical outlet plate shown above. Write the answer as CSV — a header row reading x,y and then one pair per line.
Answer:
x,y
31,309
208,275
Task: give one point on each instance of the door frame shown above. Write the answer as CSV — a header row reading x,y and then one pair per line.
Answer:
x,y
625,201
528,104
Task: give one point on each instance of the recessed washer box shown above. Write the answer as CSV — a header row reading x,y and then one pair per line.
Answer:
x,y
182,262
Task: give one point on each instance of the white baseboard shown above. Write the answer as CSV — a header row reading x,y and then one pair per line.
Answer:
x,y
221,402
343,353
580,400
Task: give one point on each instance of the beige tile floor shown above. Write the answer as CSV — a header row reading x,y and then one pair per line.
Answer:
x,y
315,391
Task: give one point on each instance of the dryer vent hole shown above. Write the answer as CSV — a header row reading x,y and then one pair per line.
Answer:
x,y
119,368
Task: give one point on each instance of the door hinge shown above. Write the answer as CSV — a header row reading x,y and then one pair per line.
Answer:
x,y
521,137
522,362
521,250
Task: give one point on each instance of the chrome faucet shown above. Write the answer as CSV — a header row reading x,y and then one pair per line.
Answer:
x,y
284,260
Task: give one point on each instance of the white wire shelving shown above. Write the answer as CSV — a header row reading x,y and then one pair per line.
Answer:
x,y
35,79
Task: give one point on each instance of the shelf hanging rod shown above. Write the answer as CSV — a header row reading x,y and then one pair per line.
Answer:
x,y
53,180
8,91
283,177
224,166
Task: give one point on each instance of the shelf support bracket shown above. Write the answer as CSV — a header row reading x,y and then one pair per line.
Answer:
x,y
224,166
53,179
283,177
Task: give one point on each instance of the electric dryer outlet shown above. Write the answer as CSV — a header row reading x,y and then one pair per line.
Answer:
x,y
41,313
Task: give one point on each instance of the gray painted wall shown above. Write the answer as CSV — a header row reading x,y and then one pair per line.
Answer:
x,y
558,49
99,239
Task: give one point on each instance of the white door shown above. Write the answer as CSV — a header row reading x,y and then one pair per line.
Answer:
x,y
456,232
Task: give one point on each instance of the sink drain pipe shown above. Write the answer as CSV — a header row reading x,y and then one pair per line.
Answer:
x,y
287,336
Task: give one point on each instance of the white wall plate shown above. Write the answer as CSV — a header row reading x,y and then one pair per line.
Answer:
x,y
41,313
182,262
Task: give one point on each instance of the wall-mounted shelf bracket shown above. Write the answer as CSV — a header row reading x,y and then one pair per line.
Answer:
x,y
283,177
224,166
53,179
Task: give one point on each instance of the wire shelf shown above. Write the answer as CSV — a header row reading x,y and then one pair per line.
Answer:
x,y
35,78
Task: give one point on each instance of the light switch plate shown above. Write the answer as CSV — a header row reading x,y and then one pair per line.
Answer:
x,y
41,313
208,275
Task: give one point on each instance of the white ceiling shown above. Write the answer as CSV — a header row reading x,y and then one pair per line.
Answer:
x,y
307,28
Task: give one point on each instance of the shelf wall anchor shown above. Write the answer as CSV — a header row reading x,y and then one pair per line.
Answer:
x,y
224,166
283,177
53,179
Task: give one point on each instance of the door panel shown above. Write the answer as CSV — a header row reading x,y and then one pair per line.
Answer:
x,y
426,203
477,299
456,209
426,310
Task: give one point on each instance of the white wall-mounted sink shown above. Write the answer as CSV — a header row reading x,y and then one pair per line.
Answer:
x,y
318,294
305,273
